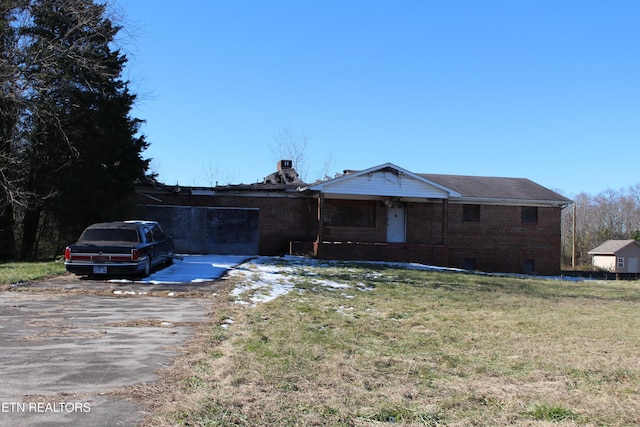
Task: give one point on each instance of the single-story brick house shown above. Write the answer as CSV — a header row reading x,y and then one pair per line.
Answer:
x,y
382,213
619,256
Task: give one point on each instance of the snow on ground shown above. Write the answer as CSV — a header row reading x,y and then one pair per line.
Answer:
x,y
196,268
266,278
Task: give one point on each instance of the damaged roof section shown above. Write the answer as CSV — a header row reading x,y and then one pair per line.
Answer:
x,y
388,180
285,174
284,179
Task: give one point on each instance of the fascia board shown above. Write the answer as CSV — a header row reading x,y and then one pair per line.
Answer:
x,y
508,202
323,185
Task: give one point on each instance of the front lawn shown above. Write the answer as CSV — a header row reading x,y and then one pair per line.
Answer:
x,y
358,344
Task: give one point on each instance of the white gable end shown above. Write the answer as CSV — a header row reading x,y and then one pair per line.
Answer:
x,y
384,181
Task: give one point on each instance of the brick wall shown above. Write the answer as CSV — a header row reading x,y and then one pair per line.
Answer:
x,y
281,220
501,242
396,252
424,223
498,242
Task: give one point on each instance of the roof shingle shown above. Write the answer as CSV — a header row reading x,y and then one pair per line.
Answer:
x,y
484,187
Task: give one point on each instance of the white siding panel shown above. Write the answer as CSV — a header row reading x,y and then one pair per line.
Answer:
x,y
605,262
385,183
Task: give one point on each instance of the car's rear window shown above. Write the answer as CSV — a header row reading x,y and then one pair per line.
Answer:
x,y
109,235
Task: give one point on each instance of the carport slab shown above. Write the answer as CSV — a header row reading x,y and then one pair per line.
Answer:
x,y
66,345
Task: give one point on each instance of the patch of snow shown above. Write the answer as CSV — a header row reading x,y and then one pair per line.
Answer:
x,y
21,283
196,269
226,323
124,292
265,280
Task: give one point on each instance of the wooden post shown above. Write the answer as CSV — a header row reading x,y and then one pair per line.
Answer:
x,y
320,203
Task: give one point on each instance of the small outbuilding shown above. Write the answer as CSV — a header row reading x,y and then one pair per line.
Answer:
x,y
620,256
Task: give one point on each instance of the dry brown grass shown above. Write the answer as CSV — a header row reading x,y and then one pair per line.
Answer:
x,y
419,348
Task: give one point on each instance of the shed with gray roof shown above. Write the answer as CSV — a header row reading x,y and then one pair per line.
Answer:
x,y
619,256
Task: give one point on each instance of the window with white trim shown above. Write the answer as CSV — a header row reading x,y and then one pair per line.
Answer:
x,y
620,262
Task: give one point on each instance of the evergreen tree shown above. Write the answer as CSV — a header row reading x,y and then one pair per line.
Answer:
x,y
10,112
83,154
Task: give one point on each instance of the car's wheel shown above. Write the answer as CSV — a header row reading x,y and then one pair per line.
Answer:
x,y
147,267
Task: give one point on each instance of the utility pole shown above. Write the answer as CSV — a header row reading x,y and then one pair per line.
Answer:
x,y
573,238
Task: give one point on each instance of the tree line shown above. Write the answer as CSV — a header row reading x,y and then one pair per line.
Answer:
x,y
611,214
69,150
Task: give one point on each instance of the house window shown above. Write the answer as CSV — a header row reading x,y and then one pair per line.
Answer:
x,y
620,262
529,215
350,213
471,213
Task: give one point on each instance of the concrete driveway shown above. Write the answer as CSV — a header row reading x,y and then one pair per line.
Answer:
x,y
63,354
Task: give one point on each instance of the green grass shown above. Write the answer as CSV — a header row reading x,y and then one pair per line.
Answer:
x,y
412,347
546,412
17,272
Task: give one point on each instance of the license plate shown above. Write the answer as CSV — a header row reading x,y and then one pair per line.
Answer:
x,y
99,269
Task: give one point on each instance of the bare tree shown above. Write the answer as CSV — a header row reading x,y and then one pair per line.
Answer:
x,y
325,171
291,145
608,215
213,176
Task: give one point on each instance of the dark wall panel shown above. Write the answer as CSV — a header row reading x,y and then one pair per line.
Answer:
x,y
205,230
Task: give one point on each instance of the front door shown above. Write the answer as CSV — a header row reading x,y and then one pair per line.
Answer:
x,y
396,230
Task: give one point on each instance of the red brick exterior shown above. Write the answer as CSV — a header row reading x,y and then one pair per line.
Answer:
x,y
435,231
425,223
501,242
281,219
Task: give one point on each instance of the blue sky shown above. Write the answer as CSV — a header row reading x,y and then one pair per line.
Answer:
x,y
545,90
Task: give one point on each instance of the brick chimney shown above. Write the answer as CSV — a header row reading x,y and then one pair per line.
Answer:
x,y
285,164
